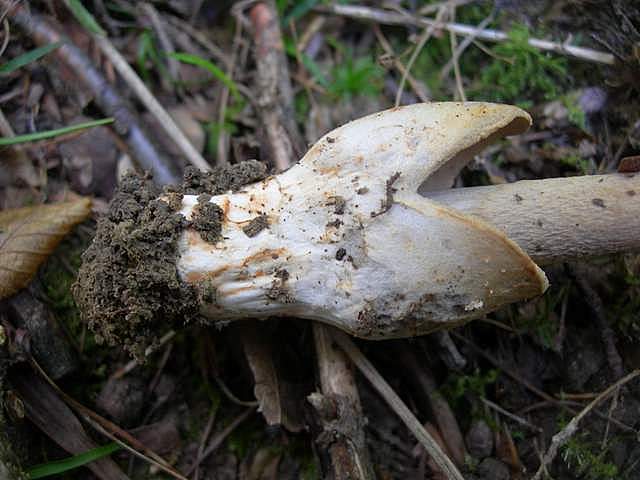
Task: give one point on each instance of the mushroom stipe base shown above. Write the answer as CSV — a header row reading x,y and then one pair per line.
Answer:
x,y
128,287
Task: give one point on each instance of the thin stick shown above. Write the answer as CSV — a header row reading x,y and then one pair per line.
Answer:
x,y
397,405
216,52
220,437
275,97
109,429
223,137
464,45
7,35
391,18
428,32
510,415
548,398
204,437
593,300
149,101
131,364
230,395
163,38
418,88
349,455
127,123
456,65
560,438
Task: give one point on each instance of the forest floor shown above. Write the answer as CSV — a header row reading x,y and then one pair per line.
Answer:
x,y
493,392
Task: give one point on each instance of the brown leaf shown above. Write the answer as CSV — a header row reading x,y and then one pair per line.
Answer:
x,y
275,395
28,236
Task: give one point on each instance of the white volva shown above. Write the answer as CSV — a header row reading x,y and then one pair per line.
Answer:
x,y
351,242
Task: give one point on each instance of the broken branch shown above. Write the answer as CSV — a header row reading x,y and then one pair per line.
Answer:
x,y
398,406
392,18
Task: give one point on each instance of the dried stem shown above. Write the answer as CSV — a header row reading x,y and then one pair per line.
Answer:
x,y
108,99
163,38
349,453
397,405
392,18
149,101
275,98
428,32
440,409
560,438
593,300
418,88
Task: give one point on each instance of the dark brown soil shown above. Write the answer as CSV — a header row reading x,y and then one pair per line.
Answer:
x,y
128,288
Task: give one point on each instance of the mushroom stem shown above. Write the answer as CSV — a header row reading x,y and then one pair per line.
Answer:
x,y
558,219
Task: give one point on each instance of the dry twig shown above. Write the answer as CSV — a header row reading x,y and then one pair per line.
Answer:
x,y
397,405
275,98
163,38
219,438
391,18
108,99
428,32
560,438
109,429
456,65
418,88
594,301
152,104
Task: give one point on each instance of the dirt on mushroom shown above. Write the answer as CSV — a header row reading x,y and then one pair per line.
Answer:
x,y
128,288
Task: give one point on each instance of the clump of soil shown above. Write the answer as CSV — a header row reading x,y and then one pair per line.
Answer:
x,y
206,219
221,179
128,287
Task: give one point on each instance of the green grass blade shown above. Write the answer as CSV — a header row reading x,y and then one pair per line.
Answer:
x,y
84,17
210,67
28,57
60,466
32,137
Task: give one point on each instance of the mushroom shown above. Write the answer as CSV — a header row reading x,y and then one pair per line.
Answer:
x,y
364,233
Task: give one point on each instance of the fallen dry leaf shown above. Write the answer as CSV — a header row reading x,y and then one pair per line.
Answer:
x,y
275,395
28,236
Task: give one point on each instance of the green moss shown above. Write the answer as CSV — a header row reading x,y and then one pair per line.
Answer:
x,y
519,72
58,275
576,115
587,458
353,75
460,387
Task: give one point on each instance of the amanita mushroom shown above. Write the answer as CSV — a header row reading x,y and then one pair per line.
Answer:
x,y
364,233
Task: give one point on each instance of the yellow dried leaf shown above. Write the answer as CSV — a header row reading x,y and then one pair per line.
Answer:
x,y
28,236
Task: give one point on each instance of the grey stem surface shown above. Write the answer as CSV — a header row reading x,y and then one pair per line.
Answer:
x,y
558,219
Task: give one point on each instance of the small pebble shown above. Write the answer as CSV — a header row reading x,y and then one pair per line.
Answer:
x,y
479,439
492,469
